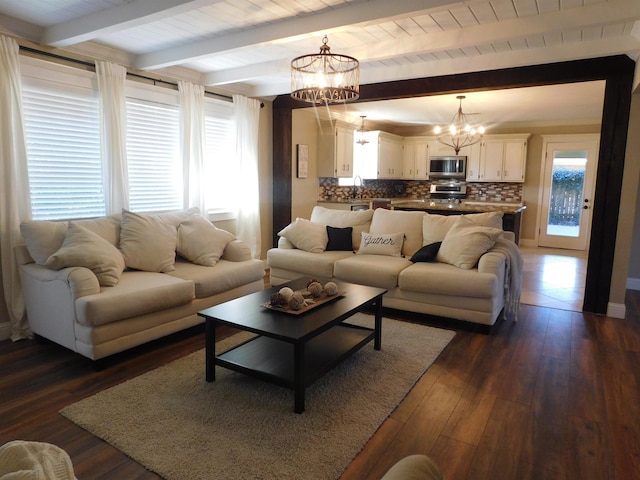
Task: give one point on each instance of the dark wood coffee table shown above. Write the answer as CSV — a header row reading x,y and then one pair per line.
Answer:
x,y
293,351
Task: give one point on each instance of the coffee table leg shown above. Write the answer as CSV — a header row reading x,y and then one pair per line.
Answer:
x,y
210,345
298,375
377,342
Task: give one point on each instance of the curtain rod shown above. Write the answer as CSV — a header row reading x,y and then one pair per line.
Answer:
x,y
93,66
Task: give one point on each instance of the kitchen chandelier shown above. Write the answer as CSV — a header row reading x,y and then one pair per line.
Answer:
x,y
325,77
362,139
459,133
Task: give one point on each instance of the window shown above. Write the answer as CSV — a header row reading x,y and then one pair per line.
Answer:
x,y
62,131
153,156
220,165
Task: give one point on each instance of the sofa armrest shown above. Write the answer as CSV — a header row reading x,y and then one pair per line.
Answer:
x,y
80,280
492,262
285,243
237,251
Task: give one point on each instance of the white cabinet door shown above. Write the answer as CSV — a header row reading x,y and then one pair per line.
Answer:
x,y
515,160
390,158
335,152
416,156
472,153
344,152
491,155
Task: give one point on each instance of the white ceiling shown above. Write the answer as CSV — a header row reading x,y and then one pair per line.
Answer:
x,y
245,46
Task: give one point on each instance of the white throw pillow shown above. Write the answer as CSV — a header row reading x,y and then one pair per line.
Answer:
x,y
466,242
147,243
83,248
306,235
43,238
201,242
381,244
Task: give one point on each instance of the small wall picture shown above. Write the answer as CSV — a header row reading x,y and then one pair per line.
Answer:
x,y
303,161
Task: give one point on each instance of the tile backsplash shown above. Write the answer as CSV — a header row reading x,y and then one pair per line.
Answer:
x,y
330,190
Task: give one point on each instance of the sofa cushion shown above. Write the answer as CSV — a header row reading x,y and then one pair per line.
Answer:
x,y
306,263
147,243
225,276
137,293
427,253
395,221
360,220
465,242
201,242
83,248
339,238
306,235
381,244
435,227
448,280
374,270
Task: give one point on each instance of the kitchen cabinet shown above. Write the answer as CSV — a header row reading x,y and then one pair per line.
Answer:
x,y
335,151
503,158
382,156
415,158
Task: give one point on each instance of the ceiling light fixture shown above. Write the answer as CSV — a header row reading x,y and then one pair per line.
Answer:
x,y
459,133
362,139
325,77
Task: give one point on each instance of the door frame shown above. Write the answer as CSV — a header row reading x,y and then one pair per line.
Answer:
x,y
566,138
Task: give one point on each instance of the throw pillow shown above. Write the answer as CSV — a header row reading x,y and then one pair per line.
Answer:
x,y
43,238
306,235
427,253
360,220
435,227
83,248
339,238
392,221
466,242
147,243
200,242
381,244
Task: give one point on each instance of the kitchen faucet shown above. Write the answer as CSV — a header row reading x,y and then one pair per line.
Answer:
x,y
354,192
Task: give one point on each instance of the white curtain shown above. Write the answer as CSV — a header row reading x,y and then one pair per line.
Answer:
x,y
15,204
192,125
113,104
247,116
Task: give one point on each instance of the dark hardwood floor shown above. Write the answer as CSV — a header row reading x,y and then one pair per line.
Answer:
x,y
554,396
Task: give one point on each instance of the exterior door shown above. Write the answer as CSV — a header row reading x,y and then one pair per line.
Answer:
x,y
568,189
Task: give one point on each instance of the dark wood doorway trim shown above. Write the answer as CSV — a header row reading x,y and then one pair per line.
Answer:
x,y
616,71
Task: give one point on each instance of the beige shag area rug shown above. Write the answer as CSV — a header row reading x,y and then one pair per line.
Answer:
x,y
176,424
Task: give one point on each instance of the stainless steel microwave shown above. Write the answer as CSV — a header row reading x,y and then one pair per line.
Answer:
x,y
448,166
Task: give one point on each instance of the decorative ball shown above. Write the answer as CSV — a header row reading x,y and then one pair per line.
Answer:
x,y
296,302
331,288
286,292
315,289
313,280
278,300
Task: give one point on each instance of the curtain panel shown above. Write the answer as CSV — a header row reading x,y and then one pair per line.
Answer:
x,y
192,125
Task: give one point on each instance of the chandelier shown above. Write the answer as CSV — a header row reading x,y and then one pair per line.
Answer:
x,y
362,132
325,77
459,133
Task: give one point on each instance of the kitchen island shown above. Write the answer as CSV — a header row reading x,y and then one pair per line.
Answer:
x,y
510,221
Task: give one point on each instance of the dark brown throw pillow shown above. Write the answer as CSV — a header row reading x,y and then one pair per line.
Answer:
x,y
339,238
427,253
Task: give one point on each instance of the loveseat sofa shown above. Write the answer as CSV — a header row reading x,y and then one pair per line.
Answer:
x,y
463,267
104,285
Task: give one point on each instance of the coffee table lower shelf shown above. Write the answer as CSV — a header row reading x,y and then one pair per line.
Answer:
x,y
278,362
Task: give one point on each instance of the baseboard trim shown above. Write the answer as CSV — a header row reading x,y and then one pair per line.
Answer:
x,y
5,331
633,283
616,310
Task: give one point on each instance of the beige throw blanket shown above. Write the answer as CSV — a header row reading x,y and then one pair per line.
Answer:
x,y
512,277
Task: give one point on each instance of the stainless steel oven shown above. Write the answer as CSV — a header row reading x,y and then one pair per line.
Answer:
x,y
448,190
448,166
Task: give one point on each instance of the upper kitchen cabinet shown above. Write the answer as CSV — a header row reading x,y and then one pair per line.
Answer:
x,y
503,158
382,157
415,158
335,151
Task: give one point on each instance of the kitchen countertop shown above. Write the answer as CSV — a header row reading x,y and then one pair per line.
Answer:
x,y
463,206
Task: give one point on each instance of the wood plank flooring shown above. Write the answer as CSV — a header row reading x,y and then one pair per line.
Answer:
x,y
553,396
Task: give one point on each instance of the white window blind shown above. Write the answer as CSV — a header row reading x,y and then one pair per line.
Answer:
x,y
153,156
62,130
220,164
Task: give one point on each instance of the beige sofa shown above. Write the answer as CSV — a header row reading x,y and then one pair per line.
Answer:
x,y
462,267
104,285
